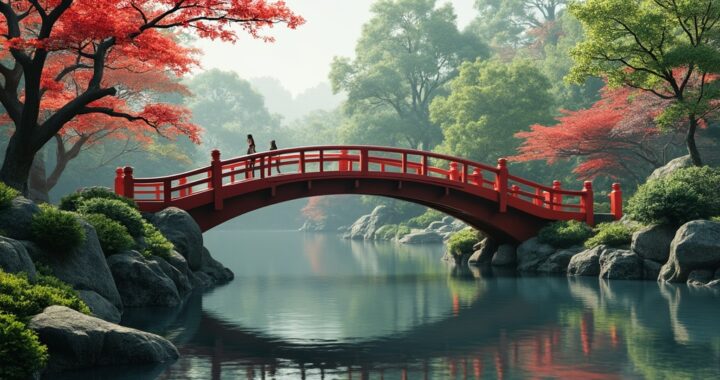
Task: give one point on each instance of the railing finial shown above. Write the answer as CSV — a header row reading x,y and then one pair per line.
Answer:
x,y
215,154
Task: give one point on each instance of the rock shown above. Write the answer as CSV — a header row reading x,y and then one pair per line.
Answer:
x,y
671,167
84,268
15,221
14,258
99,306
714,284
448,219
182,230
506,255
484,252
558,262
181,281
700,277
445,229
717,274
651,269
435,226
586,263
364,228
77,341
423,237
178,262
620,264
142,283
201,280
653,242
458,225
214,270
532,253
696,246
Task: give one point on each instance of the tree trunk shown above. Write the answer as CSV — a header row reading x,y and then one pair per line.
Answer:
x,y
38,189
690,142
19,158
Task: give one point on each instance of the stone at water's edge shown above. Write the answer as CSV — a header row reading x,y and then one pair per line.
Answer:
x,y
423,237
181,281
558,262
77,341
142,283
16,220
182,230
506,255
696,246
586,263
99,306
484,251
653,242
364,228
214,269
14,258
651,269
83,268
434,226
531,254
700,277
620,264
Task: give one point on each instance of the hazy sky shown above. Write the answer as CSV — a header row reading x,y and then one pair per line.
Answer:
x,y
301,58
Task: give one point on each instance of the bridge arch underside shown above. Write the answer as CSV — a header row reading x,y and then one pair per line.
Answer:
x,y
481,213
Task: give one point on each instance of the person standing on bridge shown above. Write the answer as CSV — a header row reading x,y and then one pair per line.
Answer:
x,y
251,162
273,146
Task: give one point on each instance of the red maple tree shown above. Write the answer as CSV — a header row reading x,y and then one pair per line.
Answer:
x,y
70,66
617,136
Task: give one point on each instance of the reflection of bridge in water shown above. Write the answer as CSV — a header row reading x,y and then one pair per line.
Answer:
x,y
495,349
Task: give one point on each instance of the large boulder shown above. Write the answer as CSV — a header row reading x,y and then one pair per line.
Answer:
x,y
180,279
141,282
506,255
76,341
15,259
214,269
365,227
483,251
84,268
586,263
700,277
422,237
532,253
558,262
651,269
671,167
696,246
435,226
182,230
620,264
99,306
16,220
653,242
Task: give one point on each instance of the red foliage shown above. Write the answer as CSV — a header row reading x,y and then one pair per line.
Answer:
x,y
616,136
315,208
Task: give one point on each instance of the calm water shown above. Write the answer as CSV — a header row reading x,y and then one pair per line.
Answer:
x,y
315,306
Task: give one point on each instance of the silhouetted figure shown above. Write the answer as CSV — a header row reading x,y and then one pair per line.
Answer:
x,y
250,150
273,146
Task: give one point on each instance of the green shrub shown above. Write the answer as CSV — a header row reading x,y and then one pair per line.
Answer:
x,y
715,219
21,354
392,231
462,242
24,299
156,243
425,219
57,230
72,202
114,237
565,234
684,195
7,194
116,210
610,234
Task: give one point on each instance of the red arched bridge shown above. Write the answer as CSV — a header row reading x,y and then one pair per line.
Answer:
x,y
488,198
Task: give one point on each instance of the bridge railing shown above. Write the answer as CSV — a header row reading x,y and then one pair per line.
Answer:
x,y
366,161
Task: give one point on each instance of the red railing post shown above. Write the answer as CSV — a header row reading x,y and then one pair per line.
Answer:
x,y
539,197
501,184
424,165
557,197
183,192
364,163
343,162
322,160
476,178
588,203
453,173
262,166
216,179
301,163
128,183
616,206
404,163
515,190
166,193
119,185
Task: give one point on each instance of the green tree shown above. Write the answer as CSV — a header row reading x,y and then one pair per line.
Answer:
x,y
407,52
490,102
512,23
665,47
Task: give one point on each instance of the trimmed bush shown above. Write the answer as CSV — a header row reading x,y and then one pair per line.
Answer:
x,y
392,231
715,219
21,354
610,234
114,237
565,234
425,219
72,202
462,242
24,299
57,230
116,210
156,244
685,195
7,194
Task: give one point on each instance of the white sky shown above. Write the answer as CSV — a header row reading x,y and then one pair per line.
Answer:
x,y
301,58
